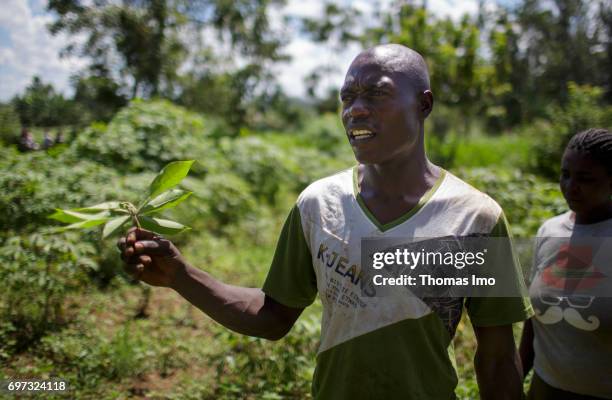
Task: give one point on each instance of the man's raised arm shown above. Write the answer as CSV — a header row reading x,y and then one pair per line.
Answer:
x,y
249,311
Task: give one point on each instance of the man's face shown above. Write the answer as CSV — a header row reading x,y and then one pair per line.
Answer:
x,y
380,113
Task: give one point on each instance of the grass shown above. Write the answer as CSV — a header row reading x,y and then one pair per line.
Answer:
x,y
477,150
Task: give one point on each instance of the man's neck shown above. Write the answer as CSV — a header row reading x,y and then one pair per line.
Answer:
x,y
400,178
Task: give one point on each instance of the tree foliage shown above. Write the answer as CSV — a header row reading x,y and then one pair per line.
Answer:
x,y
141,44
506,64
41,105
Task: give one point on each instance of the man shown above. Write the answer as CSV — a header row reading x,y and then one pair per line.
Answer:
x,y
371,347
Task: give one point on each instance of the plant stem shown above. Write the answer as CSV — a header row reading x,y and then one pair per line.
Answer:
x,y
135,221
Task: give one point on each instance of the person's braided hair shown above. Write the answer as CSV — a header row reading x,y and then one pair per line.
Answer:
x,y
595,142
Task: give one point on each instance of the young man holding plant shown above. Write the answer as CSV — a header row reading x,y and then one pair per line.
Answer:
x,y
371,347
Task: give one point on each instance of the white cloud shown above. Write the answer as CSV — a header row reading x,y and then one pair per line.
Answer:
x,y
302,8
455,9
31,50
306,57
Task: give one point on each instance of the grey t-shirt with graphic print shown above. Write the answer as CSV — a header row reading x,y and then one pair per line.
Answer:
x,y
573,327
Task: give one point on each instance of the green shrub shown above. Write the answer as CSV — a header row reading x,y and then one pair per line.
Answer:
x,y
37,273
326,134
260,164
218,200
526,199
146,135
33,184
583,110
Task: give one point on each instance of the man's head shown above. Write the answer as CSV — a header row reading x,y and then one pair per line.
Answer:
x,y
385,100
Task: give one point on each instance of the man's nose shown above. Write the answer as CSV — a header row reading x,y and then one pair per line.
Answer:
x,y
359,109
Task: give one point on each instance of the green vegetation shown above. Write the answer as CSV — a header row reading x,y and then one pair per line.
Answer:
x,y
157,89
68,310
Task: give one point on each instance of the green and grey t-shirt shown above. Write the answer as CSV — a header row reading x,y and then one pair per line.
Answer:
x,y
381,347
573,329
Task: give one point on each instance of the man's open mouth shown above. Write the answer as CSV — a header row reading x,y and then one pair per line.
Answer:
x,y
361,134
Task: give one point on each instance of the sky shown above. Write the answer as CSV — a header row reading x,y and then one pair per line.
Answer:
x,y
28,49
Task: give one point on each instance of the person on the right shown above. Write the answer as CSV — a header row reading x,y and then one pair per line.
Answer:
x,y
569,340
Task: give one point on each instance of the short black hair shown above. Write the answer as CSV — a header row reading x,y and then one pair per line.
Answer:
x,y
597,143
401,59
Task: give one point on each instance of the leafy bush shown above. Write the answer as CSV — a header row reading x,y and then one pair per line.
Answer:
x,y
32,185
326,134
527,200
218,200
146,135
37,272
583,110
260,164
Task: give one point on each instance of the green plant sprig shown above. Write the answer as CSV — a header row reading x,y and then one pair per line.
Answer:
x,y
115,214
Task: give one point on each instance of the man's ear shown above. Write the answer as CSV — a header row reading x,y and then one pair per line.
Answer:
x,y
427,101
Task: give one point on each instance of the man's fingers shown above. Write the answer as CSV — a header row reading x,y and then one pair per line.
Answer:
x,y
145,260
127,254
154,247
138,259
135,270
135,234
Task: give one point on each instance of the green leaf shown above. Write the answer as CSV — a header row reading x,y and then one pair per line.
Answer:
x,y
171,175
83,224
113,225
109,205
71,216
167,199
161,226
62,216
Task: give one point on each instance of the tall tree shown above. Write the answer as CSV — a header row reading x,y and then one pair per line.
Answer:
x,y
41,105
136,40
564,42
144,42
457,70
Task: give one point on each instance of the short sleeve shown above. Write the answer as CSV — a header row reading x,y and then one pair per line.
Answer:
x,y
291,279
494,311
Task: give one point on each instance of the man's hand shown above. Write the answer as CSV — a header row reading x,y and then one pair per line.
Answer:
x,y
150,258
